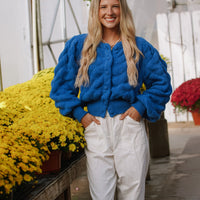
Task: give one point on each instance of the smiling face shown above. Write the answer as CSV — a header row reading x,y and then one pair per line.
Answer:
x,y
109,14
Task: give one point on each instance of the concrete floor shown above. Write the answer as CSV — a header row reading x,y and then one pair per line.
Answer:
x,y
176,177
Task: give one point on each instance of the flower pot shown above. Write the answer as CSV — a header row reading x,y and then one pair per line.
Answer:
x,y
196,117
53,165
66,156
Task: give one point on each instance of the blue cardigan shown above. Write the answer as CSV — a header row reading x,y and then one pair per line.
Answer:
x,y
108,89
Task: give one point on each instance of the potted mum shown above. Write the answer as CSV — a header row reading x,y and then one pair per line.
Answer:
x,y
31,128
187,98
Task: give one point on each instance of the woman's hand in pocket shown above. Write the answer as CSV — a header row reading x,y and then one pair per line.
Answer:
x,y
133,113
88,119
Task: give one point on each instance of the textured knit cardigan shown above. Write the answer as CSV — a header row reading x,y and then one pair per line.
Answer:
x,y
108,88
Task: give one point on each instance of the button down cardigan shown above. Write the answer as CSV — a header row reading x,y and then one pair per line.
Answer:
x,y
108,88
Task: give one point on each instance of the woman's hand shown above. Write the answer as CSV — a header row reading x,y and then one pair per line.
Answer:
x,y
88,119
133,113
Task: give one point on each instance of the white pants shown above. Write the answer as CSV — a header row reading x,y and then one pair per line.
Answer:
x,y
117,157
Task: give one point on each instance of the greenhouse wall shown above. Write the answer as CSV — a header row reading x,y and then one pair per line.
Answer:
x,y
15,40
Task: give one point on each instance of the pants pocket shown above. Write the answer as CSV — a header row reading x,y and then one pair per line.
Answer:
x,y
89,126
91,136
132,120
96,137
132,134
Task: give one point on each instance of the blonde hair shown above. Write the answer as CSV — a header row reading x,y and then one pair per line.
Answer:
x,y
95,33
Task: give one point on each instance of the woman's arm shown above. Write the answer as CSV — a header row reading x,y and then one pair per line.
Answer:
x,y
153,69
63,91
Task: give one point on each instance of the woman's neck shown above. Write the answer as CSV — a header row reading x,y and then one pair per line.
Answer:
x,y
111,36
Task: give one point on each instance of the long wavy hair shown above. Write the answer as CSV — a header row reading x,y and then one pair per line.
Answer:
x,y
94,37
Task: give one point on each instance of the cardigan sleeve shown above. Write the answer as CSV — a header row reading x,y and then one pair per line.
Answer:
x,y
63,91
151,102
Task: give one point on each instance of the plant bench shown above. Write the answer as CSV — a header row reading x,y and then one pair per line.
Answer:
x,y
53,186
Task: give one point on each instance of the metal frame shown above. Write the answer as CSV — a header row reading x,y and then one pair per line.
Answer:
x,y
1,78
37,34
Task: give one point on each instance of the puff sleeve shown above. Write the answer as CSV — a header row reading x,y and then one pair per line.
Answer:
x,y
154,75
63,91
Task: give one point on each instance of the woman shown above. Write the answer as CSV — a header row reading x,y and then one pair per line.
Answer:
x,y
109,66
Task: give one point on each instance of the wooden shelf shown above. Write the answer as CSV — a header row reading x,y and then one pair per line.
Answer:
x,y
58,187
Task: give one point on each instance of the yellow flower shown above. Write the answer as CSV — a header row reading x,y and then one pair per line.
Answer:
x,y
3,104
70,136
28,178
1,182
54,146
8,188
19,179
62,138
72,147
82,145
63,144
76,138
27,107
25,158
23,166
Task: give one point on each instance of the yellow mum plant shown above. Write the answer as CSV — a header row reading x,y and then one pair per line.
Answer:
x,y
30,128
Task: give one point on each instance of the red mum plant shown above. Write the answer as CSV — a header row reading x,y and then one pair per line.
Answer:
x,y
187,96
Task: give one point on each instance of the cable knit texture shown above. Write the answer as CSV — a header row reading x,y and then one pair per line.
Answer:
x,y
108,89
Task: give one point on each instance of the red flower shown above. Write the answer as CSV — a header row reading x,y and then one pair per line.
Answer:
x,y
187,96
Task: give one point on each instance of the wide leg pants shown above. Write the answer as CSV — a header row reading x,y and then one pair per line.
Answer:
x,y
117,158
